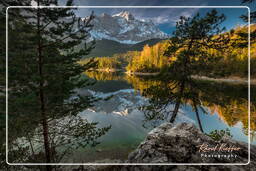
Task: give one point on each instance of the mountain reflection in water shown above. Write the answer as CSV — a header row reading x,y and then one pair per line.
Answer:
x,y
135,105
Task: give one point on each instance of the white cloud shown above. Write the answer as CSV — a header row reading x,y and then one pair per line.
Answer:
x,y
160,19
169,15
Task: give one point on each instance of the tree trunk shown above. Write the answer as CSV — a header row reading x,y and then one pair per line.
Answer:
x,y
177,105
198,118
175,112
41,94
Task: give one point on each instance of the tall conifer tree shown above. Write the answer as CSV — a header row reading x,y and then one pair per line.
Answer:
x,y
44,79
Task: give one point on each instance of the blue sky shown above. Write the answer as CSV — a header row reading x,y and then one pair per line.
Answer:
x,y
165,18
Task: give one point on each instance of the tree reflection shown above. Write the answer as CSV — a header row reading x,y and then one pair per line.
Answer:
x,y
230,102
104,76
166,100
167,95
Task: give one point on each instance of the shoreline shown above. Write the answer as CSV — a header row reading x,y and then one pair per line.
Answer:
x,y
142,73
231,79
105,70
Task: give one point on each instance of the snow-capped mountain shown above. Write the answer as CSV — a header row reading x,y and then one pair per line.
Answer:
x,y
124,28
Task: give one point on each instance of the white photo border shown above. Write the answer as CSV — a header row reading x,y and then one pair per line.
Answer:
x,y
127,7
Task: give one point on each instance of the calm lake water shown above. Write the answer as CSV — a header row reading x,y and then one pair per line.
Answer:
x,y
224,105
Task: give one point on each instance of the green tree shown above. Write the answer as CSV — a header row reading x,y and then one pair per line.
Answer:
x,y
3,4
252,14
44,76
189,46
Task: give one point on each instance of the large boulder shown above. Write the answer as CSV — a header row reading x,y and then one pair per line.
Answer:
x,y
172,144
184,143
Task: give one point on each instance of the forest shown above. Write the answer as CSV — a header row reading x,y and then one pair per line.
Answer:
x,y
229,61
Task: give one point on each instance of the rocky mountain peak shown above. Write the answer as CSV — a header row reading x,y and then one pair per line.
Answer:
x,y
124,28
125,14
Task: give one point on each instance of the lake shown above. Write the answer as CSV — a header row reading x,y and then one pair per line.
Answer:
x,y
128,105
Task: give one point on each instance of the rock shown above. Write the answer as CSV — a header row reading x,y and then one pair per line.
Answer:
x,y
170,144
181,143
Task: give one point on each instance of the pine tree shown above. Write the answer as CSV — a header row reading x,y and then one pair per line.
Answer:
x,y
3,4
252,14
44,76
242,40
190,44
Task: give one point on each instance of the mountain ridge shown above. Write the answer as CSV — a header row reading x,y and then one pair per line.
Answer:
x,y
124,28
107,47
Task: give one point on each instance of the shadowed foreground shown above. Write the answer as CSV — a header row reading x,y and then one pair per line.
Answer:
x,y
180,143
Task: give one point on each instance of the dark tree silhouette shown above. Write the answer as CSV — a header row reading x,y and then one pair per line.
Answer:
x,y
192,38
45,45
